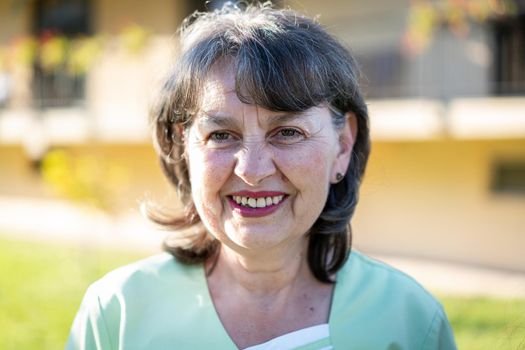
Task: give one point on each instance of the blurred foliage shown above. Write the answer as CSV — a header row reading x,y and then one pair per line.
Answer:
x,y
83,54
426,16
22,51
134,38
53,52
84,179
78,55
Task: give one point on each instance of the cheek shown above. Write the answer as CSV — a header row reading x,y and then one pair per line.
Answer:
x,y
209,170
305,164
308,172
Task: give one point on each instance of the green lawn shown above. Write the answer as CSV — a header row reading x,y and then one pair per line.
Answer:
x,y
485,323
41,286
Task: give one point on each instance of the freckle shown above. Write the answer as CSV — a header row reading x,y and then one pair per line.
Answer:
x,y
312,308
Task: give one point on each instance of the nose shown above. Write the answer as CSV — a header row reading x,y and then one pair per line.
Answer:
x,y
254,163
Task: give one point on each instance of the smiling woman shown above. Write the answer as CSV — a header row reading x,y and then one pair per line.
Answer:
x,y
262,129
275,62
237,150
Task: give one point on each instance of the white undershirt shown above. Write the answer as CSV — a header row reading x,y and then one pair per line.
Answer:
x,y
295,339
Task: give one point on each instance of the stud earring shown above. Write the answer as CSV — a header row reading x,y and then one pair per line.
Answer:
x,y
339,177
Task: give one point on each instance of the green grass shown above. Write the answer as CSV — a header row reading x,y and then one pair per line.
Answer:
x,y
41,286
486,323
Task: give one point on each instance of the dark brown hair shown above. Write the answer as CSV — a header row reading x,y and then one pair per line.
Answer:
x,y
283,62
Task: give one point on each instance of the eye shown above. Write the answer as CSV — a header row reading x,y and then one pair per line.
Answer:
x,y
221,138
288,132
287,135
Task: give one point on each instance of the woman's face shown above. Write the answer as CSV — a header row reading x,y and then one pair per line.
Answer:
x,y
259,178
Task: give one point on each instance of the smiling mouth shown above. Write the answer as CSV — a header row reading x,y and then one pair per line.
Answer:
x,y
260,202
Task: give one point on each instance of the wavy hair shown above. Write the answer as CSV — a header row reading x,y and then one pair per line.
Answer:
x,y
282,61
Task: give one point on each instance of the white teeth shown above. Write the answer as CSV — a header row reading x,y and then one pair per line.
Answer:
x,y
260,202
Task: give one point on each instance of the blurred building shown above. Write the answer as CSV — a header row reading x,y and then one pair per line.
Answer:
x,y
446,178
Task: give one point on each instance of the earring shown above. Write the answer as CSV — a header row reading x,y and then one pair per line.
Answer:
x,y
339,177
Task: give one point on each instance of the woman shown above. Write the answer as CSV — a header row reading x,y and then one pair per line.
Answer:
x,y
264,132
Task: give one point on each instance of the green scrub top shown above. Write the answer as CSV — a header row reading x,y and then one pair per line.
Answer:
x,y
159,303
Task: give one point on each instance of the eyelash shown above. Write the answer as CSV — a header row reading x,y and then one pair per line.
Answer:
x,y
214,136
295,134
283,135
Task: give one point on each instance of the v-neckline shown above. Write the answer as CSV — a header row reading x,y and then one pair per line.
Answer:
x,y
226,341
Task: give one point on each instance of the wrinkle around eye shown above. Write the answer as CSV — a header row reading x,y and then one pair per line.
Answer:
x,y
287,135
221,139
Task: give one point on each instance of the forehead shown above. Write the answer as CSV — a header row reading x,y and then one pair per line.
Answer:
x,y
219,98
219,87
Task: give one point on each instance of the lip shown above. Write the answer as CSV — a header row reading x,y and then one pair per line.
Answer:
x,y
258,194
255,212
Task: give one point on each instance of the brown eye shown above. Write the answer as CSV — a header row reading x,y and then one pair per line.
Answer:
x,y
289,132
221,139
220,136
287,135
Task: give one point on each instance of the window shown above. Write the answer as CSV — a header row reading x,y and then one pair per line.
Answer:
x,y
55,86
382,71
509,56
509,177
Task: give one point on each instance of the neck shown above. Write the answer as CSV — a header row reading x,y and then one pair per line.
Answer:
x,y
263,273
261,296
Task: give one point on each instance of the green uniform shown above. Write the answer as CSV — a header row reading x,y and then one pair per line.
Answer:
x,y
159,303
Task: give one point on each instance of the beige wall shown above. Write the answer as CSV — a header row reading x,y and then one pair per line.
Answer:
x,y
434,199
14,21
16,174
362,24
137,164
108,16
159,16
121,86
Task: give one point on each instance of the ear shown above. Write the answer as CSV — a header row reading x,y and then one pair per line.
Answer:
x,y
347,136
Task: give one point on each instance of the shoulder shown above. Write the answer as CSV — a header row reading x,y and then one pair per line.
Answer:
x,y
373,297
154,266
138,304
373,275
147,278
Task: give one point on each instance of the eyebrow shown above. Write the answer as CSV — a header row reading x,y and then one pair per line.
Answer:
x,y
228,121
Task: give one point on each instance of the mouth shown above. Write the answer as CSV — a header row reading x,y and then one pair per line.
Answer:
x,y
257,204
260,202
